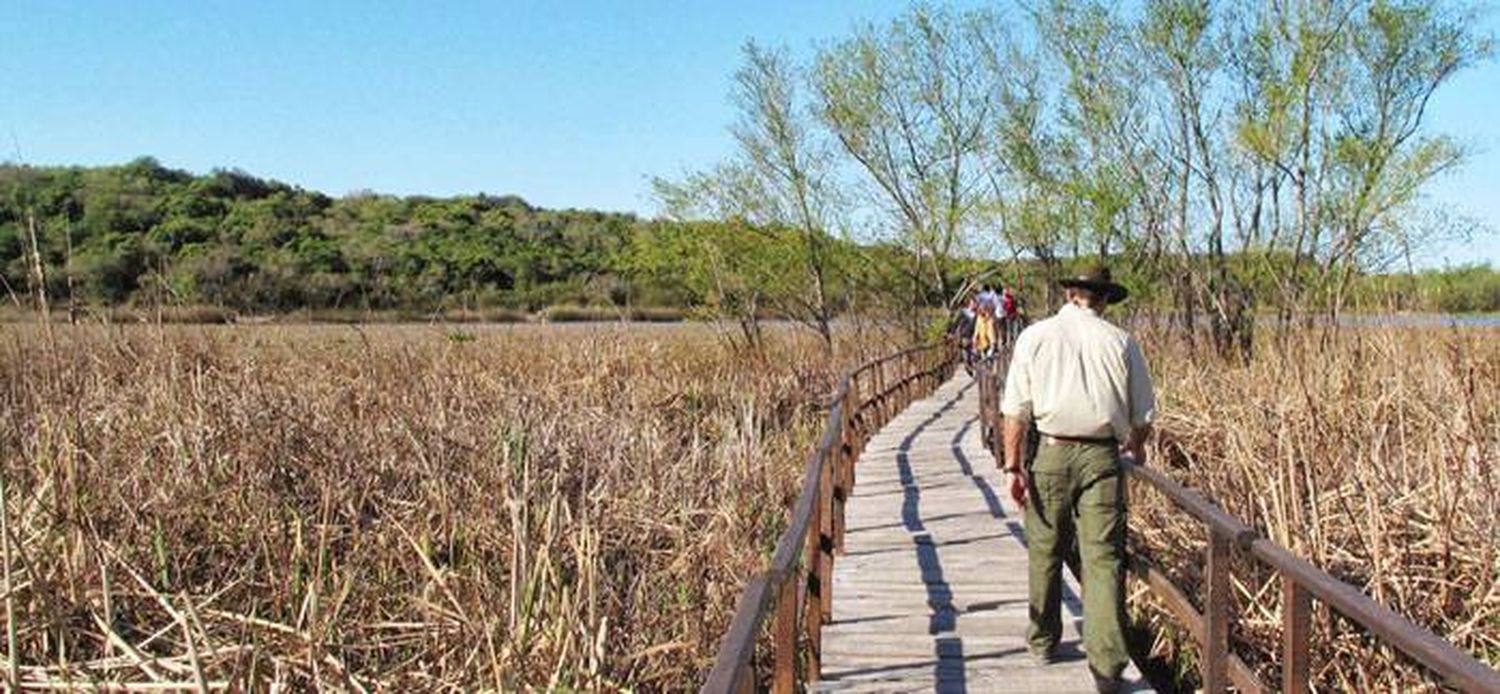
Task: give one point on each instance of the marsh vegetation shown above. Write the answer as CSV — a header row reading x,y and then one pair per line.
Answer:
x,y
397,507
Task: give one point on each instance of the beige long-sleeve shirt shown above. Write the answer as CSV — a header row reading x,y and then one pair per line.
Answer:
x,y
1079,375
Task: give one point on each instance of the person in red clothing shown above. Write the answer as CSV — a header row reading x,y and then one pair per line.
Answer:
x,y
1010,313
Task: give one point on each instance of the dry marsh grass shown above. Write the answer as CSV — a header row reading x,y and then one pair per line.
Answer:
x,y
1371,453
576,506
391,507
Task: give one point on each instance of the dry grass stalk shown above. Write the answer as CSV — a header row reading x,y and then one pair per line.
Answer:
x,y
395,508
1371,453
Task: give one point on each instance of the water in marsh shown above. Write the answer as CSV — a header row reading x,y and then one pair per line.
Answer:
x,y
1424,320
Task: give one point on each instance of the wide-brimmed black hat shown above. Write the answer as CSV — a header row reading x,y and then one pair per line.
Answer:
x,y
1097,280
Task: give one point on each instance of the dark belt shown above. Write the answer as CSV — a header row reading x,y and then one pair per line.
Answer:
x,y
1051,440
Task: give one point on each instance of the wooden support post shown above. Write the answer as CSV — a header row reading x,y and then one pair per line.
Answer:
x,y
812,602
784,676
1216,616
860,394
1296,606
839,461
907,382
847,459
893,383
903,369
997,426
984,407
892,392
824,556
898,366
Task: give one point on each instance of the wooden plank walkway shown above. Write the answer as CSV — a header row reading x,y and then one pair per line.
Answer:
x,y
930,594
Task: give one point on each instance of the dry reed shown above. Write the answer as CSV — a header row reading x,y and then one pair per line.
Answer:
x,y
401,508
577,506
1369,452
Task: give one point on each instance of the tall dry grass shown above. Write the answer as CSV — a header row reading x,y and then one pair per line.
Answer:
x,y
1370,452
395,508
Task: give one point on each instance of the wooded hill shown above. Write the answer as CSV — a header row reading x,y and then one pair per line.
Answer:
x,y
142,232
145,235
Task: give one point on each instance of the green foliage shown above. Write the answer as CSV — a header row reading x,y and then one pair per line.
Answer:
x,y
141,232
1464,289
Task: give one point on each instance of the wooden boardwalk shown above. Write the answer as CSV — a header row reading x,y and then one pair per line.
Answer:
x,y
930,594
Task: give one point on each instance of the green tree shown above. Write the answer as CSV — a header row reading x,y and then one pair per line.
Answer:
x,y
779,180
911,105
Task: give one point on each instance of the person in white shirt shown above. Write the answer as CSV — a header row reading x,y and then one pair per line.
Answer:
x,y
987,297
1085,384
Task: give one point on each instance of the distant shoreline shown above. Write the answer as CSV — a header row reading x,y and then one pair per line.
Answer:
x,y
211,315
555,315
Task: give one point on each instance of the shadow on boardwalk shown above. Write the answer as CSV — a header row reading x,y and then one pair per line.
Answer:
x,y
931,593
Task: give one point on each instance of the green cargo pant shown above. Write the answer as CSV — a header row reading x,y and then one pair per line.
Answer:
x,y
1077,493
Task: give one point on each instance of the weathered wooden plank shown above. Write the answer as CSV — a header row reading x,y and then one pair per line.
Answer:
x,y
930,592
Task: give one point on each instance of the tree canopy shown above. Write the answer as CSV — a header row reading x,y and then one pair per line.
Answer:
x,y
142,232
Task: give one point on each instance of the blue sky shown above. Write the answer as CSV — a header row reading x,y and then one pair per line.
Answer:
x,y
569,104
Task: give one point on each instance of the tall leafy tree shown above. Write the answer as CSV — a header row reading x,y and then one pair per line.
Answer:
x,y
779,179
912,104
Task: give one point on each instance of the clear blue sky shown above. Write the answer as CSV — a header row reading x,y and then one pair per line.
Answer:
x,y
568,104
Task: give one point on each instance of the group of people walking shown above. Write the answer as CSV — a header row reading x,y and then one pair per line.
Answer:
x,y
1078,388
986,321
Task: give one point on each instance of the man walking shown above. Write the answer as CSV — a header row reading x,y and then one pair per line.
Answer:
x,y
1084,382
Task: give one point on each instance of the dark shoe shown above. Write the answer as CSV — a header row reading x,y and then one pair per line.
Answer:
x,y
1107,685
1042,656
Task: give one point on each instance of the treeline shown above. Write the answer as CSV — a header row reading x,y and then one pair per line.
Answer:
x,y
1467,289
144,233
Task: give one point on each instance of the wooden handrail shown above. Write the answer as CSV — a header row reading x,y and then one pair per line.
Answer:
x,y
1457,667
1220,667
795,587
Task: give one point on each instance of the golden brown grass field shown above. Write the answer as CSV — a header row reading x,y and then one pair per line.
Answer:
x,y
512,507
400,507
1370,452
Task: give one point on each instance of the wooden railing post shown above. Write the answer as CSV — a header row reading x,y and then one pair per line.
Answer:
x,y
784,673
898,402
890,370
858,390
812,602
843,477
1215,651
984,403
825,536
840,477
1296,605
995,426
907,382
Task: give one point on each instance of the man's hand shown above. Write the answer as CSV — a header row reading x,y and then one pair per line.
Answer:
x,y
1135,445
1015,441
1018,487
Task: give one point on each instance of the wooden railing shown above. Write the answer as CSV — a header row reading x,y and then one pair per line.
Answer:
x,y
795,588
1301,583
